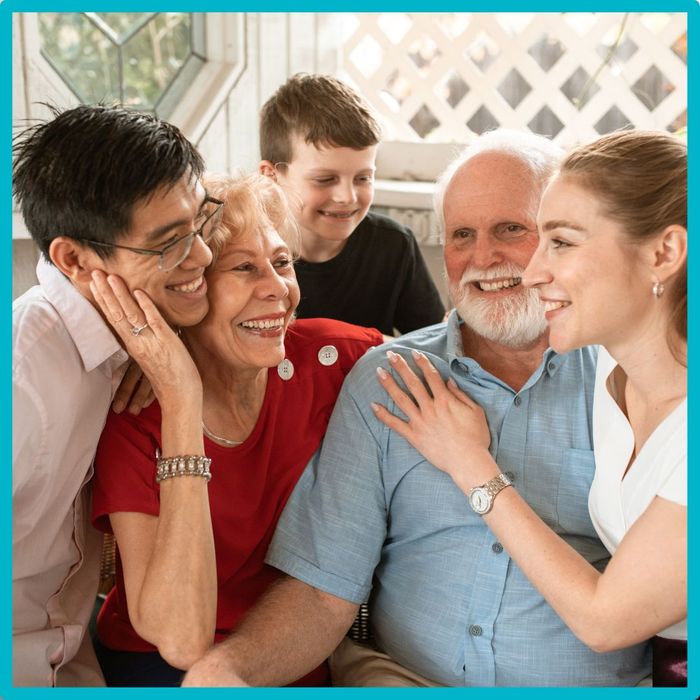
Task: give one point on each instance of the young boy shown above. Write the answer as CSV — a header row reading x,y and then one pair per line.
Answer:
x,y
318,140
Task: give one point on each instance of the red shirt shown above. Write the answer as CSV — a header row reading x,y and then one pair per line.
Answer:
x,y
250,483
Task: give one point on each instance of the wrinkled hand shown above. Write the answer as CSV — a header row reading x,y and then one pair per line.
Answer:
x,y
444,424
134,391
213,670
158,351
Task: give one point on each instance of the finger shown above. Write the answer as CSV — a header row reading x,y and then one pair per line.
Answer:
x,y
126,388
132,310
140,397
461,395
412,382
109,304
390,420
149,399
153,317
404,402
430,374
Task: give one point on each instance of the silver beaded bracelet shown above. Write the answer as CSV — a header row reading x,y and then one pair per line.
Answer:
x,y
187,465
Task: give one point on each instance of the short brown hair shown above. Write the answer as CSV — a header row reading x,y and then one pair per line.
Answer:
x,y
320,109
252,203
641,180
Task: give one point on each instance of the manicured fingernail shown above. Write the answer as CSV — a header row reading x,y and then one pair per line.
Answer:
x,y
375,407
118,406
382,373
392,356
452,383
417,355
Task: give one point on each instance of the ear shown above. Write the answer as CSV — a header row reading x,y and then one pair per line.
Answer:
x,y
74,260
267,168
670,252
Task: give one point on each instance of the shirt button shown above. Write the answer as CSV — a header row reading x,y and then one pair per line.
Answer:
x,y
475,630
497,547
328,355
551,366
517,401
285,369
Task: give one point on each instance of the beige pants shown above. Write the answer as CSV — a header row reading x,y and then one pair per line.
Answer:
x,y
358,666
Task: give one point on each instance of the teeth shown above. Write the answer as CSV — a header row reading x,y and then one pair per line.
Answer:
x,y
189,287
553,305
338,215
501,284
264,325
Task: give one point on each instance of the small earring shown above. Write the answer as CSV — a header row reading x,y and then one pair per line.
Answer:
x,y
658,289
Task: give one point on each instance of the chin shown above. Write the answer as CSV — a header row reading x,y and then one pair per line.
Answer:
x,y
563,345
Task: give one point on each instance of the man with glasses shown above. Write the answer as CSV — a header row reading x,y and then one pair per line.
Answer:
x,y
100,188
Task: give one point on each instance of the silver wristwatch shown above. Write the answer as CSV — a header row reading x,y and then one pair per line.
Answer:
x,y
481,498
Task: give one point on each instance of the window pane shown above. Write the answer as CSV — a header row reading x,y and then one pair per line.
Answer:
x,y
141,59
83,55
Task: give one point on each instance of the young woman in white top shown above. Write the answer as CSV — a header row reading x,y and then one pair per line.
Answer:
x,y
611,270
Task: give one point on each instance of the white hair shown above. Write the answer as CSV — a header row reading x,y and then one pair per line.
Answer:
x,y
539,154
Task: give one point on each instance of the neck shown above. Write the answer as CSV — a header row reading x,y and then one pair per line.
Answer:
x,y
514,366
317,249
652,371
233,396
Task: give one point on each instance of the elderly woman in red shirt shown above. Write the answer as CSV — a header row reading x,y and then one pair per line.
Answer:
x,y
190,552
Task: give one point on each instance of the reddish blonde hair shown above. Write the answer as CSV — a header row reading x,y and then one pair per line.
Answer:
x,y
251,203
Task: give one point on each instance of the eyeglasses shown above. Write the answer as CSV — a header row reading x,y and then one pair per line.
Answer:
x,y
176,251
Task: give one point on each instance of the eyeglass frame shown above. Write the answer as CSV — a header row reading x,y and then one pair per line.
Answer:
x,y
162,251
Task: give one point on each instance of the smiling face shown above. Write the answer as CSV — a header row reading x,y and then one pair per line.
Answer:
x,y
490,234
593,282
253,294
330,189
180,294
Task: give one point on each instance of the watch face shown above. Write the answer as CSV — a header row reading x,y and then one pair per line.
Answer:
x,y
479,500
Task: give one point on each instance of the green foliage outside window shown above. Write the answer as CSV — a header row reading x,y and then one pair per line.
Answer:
x,y
138,59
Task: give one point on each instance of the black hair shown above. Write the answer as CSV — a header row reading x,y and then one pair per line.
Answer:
x,y
81,173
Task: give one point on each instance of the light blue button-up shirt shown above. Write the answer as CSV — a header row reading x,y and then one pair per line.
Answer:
x,y
371,517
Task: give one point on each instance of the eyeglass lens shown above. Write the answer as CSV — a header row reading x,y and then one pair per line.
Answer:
x,y
173,255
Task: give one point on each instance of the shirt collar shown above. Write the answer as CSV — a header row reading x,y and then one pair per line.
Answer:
x,y
93,339
551,360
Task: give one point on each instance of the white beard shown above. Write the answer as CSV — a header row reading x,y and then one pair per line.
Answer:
x,y
514,321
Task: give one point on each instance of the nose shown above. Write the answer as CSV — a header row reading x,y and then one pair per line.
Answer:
x,y
200,254
271,285
485,252
344,192
537,272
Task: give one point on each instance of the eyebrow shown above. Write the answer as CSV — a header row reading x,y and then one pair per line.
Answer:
x,y
335,171
159,232
562,223
253,253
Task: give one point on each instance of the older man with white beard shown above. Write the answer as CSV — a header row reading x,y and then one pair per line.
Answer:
x,y
371,518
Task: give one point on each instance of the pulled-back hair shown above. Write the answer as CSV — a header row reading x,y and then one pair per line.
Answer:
x,y
320,109
81,173
253,203
641,181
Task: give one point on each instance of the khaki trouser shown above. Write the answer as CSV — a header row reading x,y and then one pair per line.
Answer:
x,y
358,666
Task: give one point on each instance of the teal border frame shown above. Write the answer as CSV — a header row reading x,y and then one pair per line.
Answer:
x,y
7,7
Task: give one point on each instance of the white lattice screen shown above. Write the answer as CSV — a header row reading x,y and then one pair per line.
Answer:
x,y
572,76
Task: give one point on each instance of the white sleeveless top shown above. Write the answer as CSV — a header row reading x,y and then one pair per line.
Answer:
x,y
660,468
